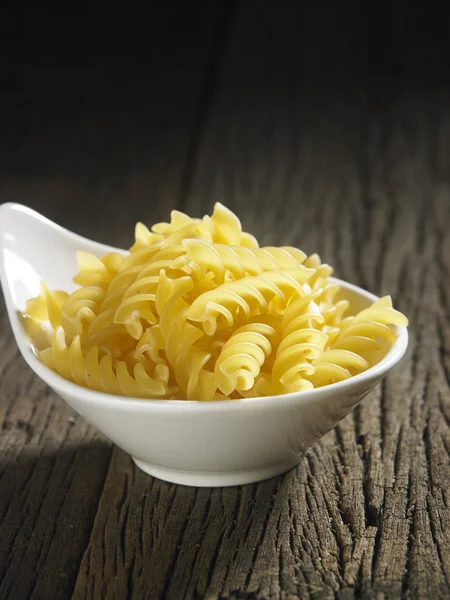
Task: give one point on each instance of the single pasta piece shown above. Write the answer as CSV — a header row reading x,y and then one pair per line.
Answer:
x,y
97,271
80,309
240,261
197,310
47,306
242,357
37,333
295,358
247,295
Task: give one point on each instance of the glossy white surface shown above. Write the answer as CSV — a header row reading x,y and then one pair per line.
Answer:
x,y
191,443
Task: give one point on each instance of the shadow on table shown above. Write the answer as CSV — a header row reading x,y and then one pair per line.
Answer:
x,y
152,539
48,502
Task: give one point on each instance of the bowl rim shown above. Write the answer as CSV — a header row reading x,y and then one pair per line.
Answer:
x,y
91,397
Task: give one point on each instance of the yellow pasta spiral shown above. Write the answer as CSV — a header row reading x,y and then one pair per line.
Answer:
x,y
46,306
222,226
179,338
151,345
80,309
358,342
295,356
240,261
242,357
97,271
197,310
246,295
101,374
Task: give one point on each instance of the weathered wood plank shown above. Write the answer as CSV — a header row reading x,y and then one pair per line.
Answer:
x,y
362,176
95,162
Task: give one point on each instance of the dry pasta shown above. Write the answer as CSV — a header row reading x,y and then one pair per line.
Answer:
x,y
198,311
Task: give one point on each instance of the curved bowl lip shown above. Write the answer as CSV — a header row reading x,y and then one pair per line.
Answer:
x,y
22,208
92,397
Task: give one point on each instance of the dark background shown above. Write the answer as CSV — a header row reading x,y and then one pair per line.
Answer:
x,y
92,95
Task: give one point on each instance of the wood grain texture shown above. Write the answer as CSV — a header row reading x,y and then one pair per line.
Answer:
x,y
359,173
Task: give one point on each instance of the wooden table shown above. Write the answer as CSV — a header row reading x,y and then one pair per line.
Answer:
x,y
293,135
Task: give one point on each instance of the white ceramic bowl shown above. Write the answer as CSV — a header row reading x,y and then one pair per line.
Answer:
x,y
193,443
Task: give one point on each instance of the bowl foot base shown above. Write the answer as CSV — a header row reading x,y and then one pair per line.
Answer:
x,y
214,479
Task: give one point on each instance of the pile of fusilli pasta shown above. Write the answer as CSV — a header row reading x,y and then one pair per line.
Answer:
x,y
197,310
